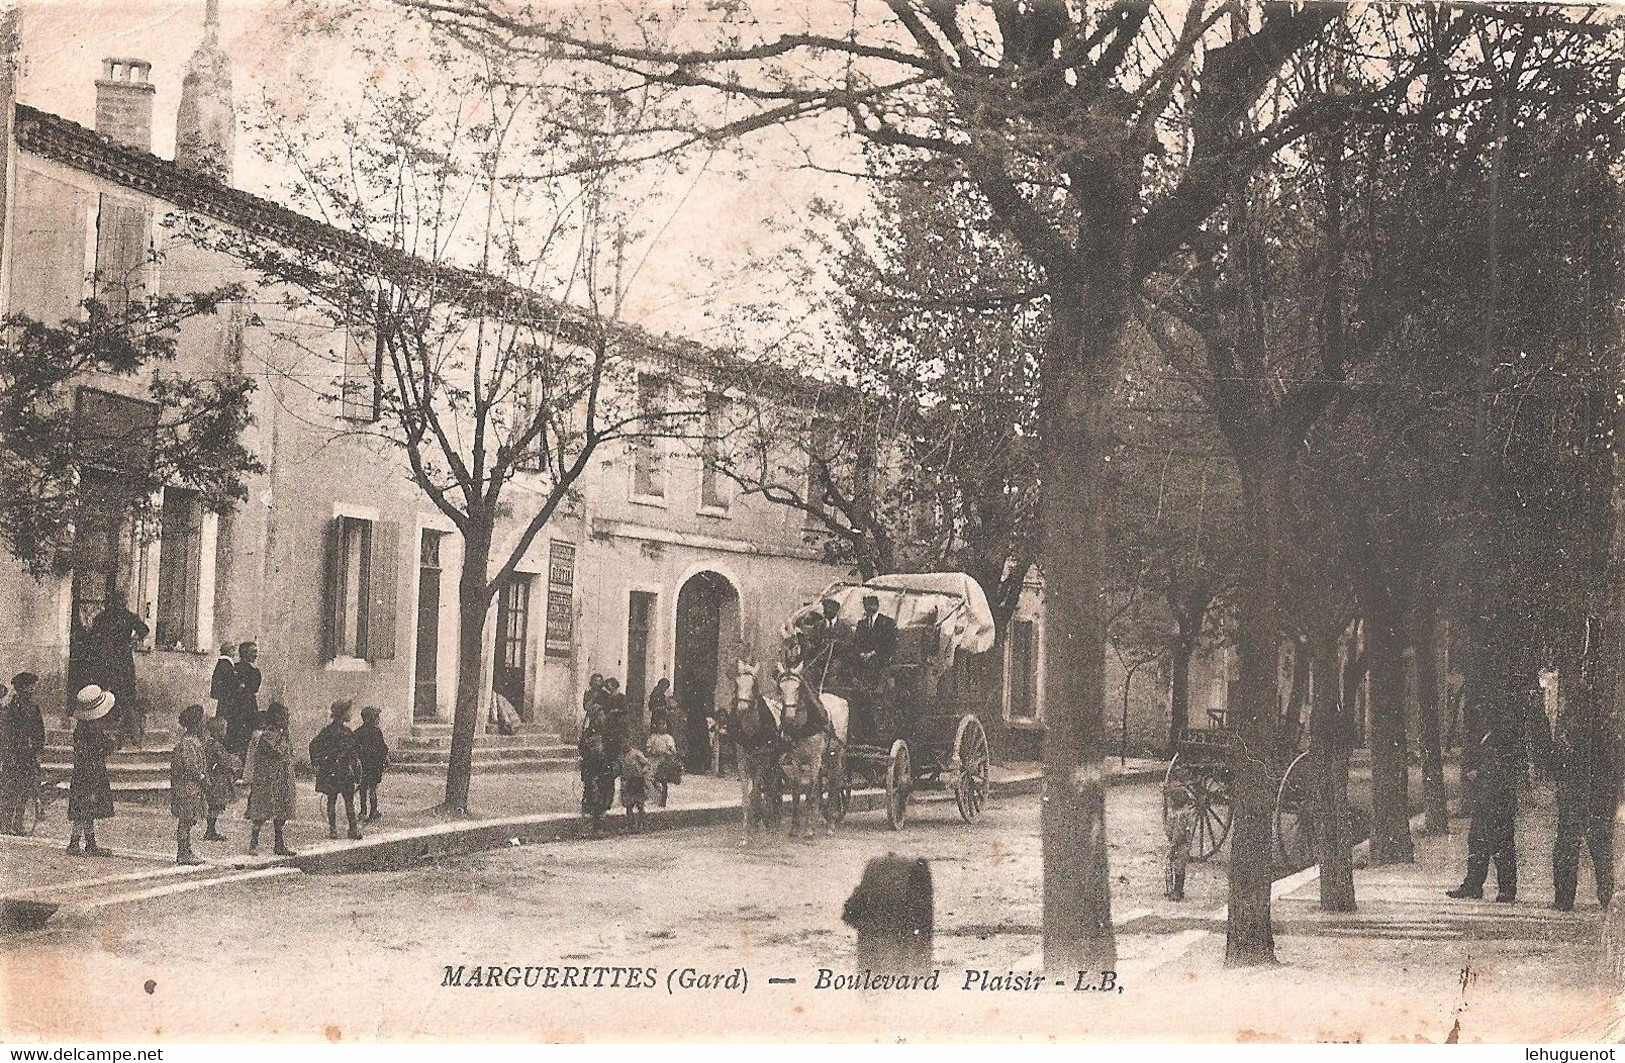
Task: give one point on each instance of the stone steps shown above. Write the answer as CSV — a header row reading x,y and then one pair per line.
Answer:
x,y
492,767
426,749
414,755
152,739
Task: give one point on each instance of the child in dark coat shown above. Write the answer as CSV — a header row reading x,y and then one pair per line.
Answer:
x,y
268,768
22,739
220,775
334,757
374,754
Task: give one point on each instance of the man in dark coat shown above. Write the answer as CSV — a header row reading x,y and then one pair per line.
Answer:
x,y
873,642
1501,768
112,654
1587,769
243,717
221,683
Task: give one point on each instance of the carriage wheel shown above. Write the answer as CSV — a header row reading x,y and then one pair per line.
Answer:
x,y
972,762
899,781
1211,794
1212,815
835,786
1297,814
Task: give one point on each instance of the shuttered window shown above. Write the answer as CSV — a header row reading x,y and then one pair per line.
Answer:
x,y
648,472
362,576
123,250
48,256
180,569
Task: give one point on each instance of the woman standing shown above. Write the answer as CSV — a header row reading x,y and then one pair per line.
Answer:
x,y
90,791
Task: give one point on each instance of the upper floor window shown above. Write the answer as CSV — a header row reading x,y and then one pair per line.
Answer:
x,y
821,443
363,376
123,251
648,471
713,481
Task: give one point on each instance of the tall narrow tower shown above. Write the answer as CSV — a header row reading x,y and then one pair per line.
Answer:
x,y
206,123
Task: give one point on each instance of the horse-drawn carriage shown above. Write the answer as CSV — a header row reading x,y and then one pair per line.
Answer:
x,y
1203,765
908,721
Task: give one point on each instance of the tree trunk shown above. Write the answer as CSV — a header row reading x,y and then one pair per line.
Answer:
x,y
1474,683
473,603
1255,771
1613,675
1077,383
1390,755
1180,708
1430,697
1331,735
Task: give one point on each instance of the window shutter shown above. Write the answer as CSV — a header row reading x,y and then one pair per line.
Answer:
x,y
384,579
332,589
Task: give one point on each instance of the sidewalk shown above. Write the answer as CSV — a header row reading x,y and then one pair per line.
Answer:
x,y
38,877
1412,964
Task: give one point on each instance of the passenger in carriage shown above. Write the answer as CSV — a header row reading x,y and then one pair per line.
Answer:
x,y
873,642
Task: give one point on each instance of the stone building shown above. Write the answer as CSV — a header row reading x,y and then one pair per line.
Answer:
x,y
337,566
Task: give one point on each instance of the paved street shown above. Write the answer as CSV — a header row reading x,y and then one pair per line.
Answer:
x,y
363,955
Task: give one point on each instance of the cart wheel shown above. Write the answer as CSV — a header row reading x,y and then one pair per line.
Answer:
x,y
1212,815
835,786
972,764
1297,814
899,781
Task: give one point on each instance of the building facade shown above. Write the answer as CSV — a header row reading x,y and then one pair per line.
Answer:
x,y
337,566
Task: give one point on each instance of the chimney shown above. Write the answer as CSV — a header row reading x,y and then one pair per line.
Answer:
x,y
124,102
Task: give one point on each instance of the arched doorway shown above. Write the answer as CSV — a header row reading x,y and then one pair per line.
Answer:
x,y
707,640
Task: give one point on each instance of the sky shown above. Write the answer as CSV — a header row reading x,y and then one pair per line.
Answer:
x,y
694,278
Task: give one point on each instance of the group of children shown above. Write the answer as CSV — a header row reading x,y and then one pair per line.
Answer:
x,y
610,754
204,774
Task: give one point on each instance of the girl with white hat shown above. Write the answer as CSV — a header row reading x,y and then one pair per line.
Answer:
x,y
90,791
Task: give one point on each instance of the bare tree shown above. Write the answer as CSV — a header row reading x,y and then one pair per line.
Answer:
x,y
476,294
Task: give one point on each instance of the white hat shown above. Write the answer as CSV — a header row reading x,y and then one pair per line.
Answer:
x,y
92,703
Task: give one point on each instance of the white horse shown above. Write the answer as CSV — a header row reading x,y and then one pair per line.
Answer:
x,y
813,728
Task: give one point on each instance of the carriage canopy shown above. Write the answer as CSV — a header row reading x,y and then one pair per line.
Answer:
x,y
951,602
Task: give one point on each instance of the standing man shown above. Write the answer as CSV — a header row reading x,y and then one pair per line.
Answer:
x,y
1587,769
244,718
220,684
112,651
1502,769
